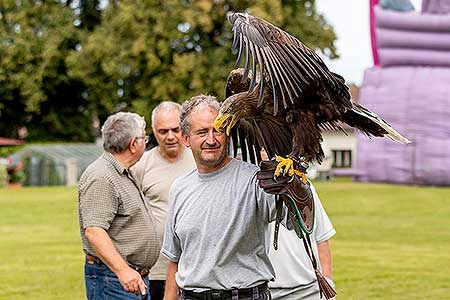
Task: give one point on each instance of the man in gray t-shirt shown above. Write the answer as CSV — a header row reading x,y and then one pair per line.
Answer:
x,y
218,216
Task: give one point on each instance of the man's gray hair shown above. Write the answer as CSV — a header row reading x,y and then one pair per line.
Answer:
x,y
191,104
119,129
165,106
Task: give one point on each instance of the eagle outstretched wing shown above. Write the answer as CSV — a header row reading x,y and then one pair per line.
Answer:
x,y
270,133
293,68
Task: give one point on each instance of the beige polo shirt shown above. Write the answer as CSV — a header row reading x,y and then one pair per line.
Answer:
x,y
155,176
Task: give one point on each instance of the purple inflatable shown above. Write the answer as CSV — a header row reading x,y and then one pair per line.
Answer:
x,y
416,101
411,91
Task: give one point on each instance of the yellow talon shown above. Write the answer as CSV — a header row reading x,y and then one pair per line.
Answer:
x,y
285,163
288,165
301,175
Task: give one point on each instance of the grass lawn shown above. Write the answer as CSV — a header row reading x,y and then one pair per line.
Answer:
x,y
393,242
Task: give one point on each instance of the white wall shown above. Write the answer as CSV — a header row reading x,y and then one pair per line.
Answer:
x,y
336,140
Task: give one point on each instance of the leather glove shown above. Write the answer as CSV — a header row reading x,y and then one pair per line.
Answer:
x,y
300,194
267,180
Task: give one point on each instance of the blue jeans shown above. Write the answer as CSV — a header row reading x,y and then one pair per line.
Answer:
x,y
103,284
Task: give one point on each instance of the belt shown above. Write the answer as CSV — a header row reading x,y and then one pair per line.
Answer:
x,y
95,260
246,293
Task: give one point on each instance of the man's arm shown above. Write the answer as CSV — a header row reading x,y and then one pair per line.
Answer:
x,y
171,288
105,250
325,259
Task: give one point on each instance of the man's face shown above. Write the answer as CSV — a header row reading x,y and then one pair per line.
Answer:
x,y
167,133
208,146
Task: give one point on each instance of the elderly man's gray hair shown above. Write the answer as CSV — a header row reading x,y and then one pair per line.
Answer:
x,y
165,106
119,129
192,103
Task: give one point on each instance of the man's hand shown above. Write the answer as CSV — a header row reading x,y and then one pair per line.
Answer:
x,y
284,184
267,180
299,193
132,281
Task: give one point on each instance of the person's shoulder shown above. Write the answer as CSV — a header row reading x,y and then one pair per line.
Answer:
x,y
244,167
182,183
98,170
187,158
146,159
149,154
186,178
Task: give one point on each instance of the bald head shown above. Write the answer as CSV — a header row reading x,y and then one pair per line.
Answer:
x,y
166,127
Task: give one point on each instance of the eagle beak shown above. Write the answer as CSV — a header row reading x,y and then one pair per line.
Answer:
x,y
223,120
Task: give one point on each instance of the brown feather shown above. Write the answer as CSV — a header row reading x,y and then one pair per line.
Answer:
x,y
296,96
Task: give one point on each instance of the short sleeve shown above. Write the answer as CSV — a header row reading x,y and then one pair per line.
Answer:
x,y
171,248
98,204
324,230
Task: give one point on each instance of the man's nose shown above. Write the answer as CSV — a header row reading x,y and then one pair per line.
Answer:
x,y
210,138
170,135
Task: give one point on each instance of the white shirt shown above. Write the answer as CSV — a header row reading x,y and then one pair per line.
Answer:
x,y
292,265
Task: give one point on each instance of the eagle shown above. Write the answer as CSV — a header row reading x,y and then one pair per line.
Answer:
x,y
284,97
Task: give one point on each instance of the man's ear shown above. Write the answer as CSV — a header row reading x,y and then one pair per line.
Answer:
x,y
133,145
185,139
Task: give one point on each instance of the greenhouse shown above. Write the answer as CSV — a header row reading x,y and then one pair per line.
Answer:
x,y
57,164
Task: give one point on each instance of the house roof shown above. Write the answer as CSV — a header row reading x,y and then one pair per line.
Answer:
x,y
9,142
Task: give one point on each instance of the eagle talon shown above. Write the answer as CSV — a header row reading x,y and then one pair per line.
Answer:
x,y
286,166
301,175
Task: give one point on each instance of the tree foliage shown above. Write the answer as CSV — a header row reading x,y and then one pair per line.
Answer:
x,y
36,92
64,63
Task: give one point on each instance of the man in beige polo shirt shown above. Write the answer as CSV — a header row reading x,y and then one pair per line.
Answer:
x,y
156,171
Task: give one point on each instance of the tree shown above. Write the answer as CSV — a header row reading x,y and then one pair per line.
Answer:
x,y
171,50
35,91
66,62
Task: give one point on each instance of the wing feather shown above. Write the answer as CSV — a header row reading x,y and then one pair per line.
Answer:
x,y
251,135
269,69
240,49
247,58
254,63
291,66
276,71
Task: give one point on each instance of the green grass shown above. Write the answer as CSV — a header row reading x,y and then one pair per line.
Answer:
x,y
392,242
40,252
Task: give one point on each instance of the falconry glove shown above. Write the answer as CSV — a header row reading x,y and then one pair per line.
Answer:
x,y
299,199
290,189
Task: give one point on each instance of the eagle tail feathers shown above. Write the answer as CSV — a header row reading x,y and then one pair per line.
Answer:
x,y
388,130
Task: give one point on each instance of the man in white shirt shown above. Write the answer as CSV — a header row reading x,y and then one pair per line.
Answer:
x,y
156,171
295,277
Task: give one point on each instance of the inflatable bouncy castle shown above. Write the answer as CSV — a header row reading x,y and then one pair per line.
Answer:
x,y
409,86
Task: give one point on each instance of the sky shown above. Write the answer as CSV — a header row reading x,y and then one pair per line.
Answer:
x,y
350,20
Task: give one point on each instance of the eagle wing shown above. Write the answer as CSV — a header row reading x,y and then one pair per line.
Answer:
x,y
293,69
252,135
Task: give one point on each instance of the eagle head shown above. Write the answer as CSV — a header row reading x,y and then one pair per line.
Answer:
x,y
231,111
238,104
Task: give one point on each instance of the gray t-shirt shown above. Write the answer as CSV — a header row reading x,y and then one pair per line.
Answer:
x,y
216,229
